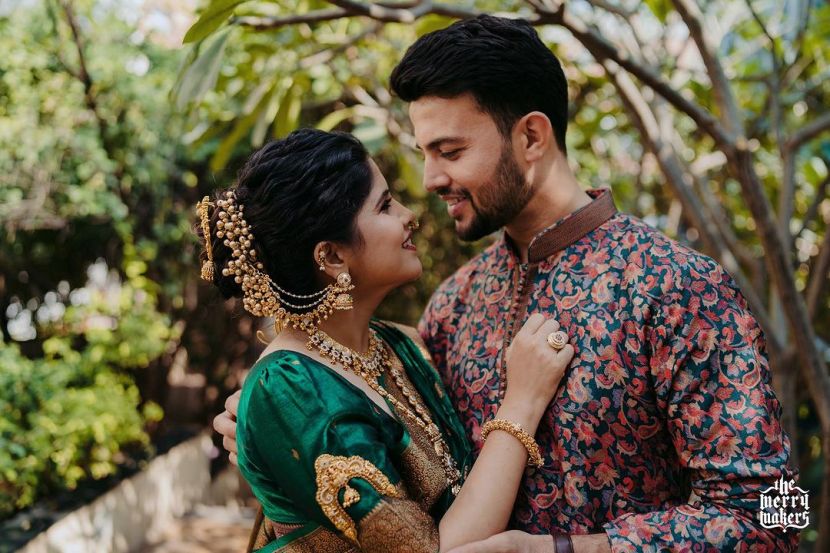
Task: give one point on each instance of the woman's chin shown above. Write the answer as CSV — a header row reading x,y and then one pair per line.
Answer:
x,y
413,272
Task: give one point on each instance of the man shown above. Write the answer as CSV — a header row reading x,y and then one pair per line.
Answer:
x,y
665,429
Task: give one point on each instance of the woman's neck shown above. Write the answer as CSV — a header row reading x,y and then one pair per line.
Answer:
x,y
351,328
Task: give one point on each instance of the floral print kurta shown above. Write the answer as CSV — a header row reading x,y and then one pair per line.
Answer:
x,y
665,428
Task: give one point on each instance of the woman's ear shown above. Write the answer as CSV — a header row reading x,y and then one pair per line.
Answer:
x,y
330,259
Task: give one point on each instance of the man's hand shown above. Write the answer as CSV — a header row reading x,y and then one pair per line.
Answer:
x,y
512,541
225,424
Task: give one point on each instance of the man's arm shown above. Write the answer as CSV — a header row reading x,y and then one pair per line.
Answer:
x,y
711,378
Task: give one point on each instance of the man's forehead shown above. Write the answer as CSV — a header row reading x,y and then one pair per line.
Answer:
x,y
437,119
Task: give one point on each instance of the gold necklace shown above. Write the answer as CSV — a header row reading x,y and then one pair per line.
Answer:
x,y
369,367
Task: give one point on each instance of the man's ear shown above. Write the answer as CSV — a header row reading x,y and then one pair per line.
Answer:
x,y
535,136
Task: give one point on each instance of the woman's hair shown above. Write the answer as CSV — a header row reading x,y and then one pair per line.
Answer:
x,y
502,62
298,191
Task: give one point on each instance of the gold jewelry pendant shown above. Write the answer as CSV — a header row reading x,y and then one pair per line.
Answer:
x,y
343,302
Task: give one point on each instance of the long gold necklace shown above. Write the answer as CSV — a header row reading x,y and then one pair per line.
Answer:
x,y
369,367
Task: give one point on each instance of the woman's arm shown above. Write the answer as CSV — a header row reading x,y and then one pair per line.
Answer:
x,y
484,505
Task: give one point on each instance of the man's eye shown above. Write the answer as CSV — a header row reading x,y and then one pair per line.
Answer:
x,y
451,154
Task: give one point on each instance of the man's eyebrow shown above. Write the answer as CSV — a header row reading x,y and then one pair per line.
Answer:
x,y
385,194
438,142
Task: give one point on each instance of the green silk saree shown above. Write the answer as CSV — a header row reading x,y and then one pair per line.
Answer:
x,y
334,472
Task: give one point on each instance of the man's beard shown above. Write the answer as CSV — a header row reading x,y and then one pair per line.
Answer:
x,y
499,201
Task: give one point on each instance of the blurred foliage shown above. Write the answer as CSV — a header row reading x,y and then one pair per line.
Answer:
x,y
90,169
71,414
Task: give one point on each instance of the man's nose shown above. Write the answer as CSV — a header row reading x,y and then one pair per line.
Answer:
x,y
434,178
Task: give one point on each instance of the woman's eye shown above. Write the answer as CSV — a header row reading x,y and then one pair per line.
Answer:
x,y
386,205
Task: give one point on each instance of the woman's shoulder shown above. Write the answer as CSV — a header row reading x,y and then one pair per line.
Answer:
x,y
286,378
281,366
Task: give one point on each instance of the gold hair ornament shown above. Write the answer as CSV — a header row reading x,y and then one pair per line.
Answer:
x,y
203,209
261,296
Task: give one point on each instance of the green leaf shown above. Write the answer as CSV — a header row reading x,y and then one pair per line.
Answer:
x,y
660,9
202,73
289,114
211,19
240,129
432,22
264,121
334,118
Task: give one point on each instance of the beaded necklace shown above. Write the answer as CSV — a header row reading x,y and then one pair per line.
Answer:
x,y
369,367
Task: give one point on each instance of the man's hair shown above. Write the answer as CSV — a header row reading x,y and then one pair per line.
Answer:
x,y
501,62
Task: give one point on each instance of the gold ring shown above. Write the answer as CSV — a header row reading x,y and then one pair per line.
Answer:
x,y
557,340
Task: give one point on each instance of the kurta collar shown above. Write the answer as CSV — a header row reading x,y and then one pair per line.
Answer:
x,y
570,228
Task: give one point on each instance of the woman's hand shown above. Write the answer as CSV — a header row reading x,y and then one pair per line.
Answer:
x,y
534,371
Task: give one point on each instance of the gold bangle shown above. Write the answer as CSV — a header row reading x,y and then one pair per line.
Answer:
x,y
534,457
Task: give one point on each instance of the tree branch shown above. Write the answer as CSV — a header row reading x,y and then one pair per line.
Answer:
x,y
266,23
400,15
773,82
90,97
621,11
818,277
809,132
812,211
384,12
324,56
599,47
690,13
603,50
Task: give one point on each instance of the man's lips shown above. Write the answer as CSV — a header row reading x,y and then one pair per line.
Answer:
x,y
455,204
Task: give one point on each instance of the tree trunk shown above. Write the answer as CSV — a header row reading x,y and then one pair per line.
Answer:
x,y
785,384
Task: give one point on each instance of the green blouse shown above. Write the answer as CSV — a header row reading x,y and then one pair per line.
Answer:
x,y
309,439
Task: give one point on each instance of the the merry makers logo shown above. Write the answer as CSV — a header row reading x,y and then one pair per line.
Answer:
x,y
784,505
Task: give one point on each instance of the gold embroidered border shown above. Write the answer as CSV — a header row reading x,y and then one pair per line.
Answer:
x,y
318,541
334,473
398,526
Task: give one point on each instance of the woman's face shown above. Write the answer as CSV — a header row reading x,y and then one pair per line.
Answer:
x,y
387,257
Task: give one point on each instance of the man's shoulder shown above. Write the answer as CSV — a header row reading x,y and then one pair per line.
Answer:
x,y
642,244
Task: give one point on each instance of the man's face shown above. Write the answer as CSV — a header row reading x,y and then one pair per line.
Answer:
x,y
469,164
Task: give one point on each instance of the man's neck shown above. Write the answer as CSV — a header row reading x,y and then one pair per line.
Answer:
x,y
556,197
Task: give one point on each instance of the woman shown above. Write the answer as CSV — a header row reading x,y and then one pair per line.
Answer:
x,y
344,432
